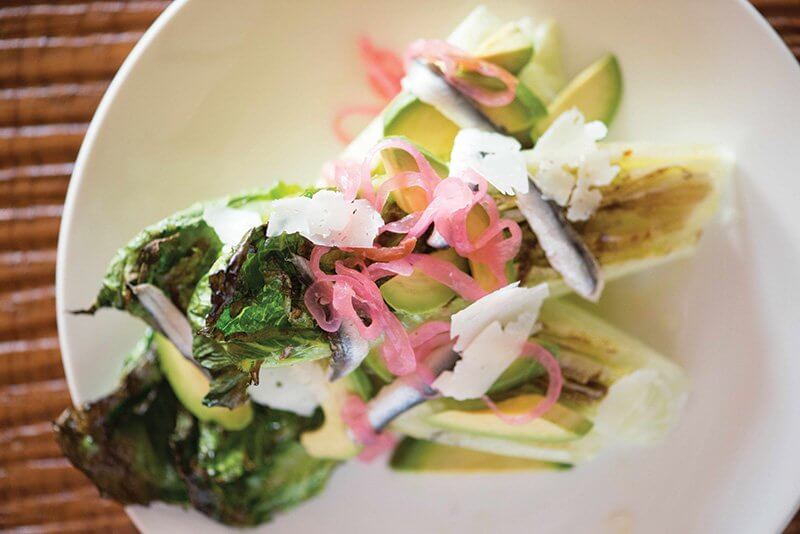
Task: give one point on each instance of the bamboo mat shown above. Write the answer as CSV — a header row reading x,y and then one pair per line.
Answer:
x,y
56,60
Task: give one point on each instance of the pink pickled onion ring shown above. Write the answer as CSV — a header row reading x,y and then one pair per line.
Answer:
x,y
554,385
384,68
345,113
452,61
448,274
427,331
354,414
384,72
352,294
385,254
403,267
425,339
348,178
428,179
403,226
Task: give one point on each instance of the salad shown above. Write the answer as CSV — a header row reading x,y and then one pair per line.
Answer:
x,y
413,305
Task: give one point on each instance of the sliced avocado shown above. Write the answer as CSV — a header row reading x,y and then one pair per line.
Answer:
x,y
596,92
557,425
191,385
508,47
332,440
410,199
519,116
520,371
375,363
419,293
421,455
421,123
516,118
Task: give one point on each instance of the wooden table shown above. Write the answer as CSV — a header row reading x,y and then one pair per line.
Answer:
x,y
56,60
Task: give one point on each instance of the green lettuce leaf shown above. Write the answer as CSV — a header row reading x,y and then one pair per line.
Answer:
x,y
244,477
139,445
121,441
175,253
249,312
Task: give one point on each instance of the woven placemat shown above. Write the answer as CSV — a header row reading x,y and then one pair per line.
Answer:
x,y
56,60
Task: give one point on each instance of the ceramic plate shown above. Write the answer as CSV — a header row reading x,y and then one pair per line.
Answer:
x,y
220,96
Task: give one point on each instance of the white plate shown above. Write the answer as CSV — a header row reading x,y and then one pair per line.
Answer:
x,y
224,95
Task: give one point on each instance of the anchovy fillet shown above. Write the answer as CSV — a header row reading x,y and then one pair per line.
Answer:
x,y
398,397
349,348
565,250
169,320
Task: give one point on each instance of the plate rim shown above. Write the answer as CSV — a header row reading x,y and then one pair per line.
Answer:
x,y
98,120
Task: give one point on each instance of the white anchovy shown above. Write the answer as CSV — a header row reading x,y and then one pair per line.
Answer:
x,y
398,397
168,319
348,346
565,250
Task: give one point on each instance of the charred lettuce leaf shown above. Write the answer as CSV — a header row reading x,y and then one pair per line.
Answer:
x,y
121,442
139,445
172,255
175,253
249,312
242,478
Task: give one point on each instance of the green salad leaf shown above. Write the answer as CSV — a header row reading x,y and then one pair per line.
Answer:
x,y
175,253
139,445
172,254
121,441
249,312
244,477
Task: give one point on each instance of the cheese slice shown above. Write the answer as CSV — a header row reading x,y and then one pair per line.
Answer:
x,y
326,219
569,164
297,388
490,334
494,156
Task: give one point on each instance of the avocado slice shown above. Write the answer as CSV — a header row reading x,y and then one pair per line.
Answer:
x,y
508,47
519,116
421,123
596,92
410,199
191,385
419,293
422,455
557,425
332,440
515,119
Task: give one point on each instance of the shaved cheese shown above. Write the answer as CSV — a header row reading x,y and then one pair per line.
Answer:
x,y
326,219
231,224
297,388
490,334
494,156
569,164
434,90
489,354
506,305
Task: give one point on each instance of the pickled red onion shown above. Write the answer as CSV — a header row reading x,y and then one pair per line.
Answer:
x,y
384,72
352,294
379,270
354,414
348,178
448,274
452,61
554,385
345,113
384,68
